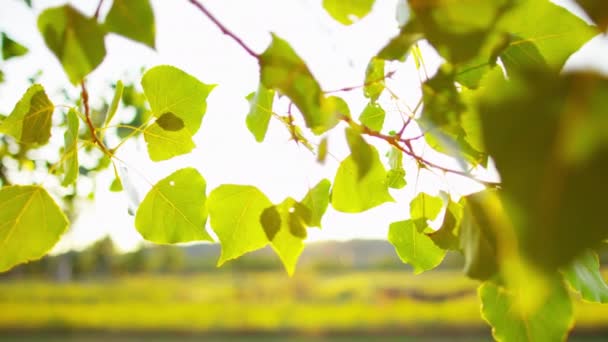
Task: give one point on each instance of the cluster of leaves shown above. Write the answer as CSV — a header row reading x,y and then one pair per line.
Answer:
x,y
500,93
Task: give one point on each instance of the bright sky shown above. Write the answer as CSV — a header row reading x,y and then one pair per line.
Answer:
x,y
226,152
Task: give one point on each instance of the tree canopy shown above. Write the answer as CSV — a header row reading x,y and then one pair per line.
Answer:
x,y
500,98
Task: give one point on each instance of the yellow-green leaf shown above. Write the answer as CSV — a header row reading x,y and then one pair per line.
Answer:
x,y
260,112
30,224
373,116
77,41
584,275
351,194
550,322
133,19
283,70
235,213
30,121
414,247
164,144
174,209
70,158
374,79
317,200
348,11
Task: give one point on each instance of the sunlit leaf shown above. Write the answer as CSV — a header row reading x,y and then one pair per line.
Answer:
x,y
395,178
347,12
11,48
164,144
448,235
360,151
322,150
115,102
30,224
414,247
174,209
260,112
77,41
133,19
317,200
424,208
178,101
550,322
30,121
235,212
351,194
373,116
399,46
477,237
374,79
283,70
70,158
332,109
546,29
584,275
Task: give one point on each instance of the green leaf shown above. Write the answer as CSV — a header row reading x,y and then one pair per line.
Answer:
x,y
474,20
414,247
70,158
30,224
283,70
178,101
347,12
30,121
115,102
399,46
260,111
317,200
554,31
133,19
76,41
373,117
553,178
395,178
550,322
11,48
424,208
278,220
332,109
164,144
116,185
321,150
584,275
174,209
448,235
1,77
353,195
171,90
235,212
597,10
478,241
374,79
361,152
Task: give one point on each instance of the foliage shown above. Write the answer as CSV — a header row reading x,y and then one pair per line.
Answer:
x,y
500,95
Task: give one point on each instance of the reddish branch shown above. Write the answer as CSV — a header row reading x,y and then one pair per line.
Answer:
x,y
351,88
404,145
87,114
96,15
224,29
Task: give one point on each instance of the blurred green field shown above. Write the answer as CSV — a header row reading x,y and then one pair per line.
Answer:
x,y
313,304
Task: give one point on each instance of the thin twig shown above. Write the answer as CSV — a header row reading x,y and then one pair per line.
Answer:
x,y
351,88
396,142
96,15
87,114
224,29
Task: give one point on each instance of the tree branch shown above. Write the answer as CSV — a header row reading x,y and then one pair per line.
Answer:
x,y
351,88
87,114
396,141
224,29
98,9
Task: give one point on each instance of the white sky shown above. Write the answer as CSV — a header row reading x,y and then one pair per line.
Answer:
x,y
226,152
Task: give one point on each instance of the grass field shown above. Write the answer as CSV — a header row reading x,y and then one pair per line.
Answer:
x,y
381,303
